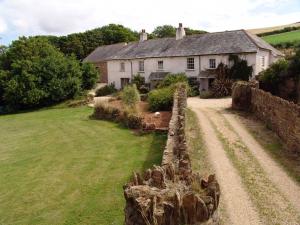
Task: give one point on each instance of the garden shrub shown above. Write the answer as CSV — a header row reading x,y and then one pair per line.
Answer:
x,y
126,117
161,99
270,78
221,87
89,75
171,79
130,95
194,86
106,90
138,80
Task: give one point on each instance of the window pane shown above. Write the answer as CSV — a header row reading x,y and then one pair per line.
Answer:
x,y
212,63
190,63
141,65
122,67
160,65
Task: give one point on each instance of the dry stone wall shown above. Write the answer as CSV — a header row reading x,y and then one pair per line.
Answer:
x,y
171,194
282,116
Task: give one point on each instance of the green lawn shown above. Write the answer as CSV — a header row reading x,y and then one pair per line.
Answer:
x,y
57,166
283,37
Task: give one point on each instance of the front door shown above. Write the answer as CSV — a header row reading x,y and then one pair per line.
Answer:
x,y
124,82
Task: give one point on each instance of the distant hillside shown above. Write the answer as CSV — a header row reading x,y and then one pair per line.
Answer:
x,y
287,37
270,29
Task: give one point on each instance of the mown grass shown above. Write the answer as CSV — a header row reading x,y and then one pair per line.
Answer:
x,y
57,166
291,36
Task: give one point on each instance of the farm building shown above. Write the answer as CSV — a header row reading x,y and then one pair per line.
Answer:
x,y
194,55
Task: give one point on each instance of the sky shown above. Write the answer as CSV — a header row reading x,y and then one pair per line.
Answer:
x,y
61,17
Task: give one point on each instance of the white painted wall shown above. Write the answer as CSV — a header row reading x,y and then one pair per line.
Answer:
x,y
177,65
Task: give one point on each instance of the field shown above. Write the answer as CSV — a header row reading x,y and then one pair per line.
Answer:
x,y
60,167
269,29
283,37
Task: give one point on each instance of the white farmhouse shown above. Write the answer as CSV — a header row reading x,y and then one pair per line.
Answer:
x,y
193,55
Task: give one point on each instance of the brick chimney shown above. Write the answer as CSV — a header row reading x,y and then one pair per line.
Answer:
x,y
180,32
143,36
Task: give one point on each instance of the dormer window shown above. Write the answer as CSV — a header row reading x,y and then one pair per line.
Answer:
x,y
212,63
160,65
122,67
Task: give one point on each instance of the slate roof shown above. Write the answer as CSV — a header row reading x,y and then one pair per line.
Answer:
x,y
238,41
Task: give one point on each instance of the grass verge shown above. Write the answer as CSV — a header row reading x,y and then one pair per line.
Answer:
x,y
272,207
60,167
272,144
196,145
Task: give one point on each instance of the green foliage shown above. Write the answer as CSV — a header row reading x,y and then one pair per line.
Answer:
x,y
170,31
36,74
106,90
138,80
161,99
189,31
194,86
240,69
171,79
130,96
274,72
89,75
82,44
292,37
271,77
284,30
164,31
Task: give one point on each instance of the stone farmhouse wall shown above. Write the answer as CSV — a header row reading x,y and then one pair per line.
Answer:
x,y
282,116
171,194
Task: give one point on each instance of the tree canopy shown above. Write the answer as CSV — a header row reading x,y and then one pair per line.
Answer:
x,y
81,44
170,31
34,73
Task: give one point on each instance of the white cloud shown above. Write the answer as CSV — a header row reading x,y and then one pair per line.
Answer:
x,y
3,26
29,17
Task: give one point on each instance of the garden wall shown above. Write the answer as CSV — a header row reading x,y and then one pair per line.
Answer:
x,y
282,116
171,194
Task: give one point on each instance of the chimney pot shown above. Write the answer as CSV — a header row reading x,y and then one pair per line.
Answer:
x,y
180,32
143,35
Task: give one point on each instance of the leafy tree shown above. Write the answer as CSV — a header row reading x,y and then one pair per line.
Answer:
x,y
34,73
240,69
89,76
271,77
164,31
3,48
114,33
190,31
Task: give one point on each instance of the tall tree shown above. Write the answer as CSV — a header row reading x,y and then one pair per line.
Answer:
x,y
164,31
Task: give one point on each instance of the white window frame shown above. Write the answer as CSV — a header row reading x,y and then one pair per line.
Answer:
x,y
160,65
212,63
142,66
122,67
190,63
